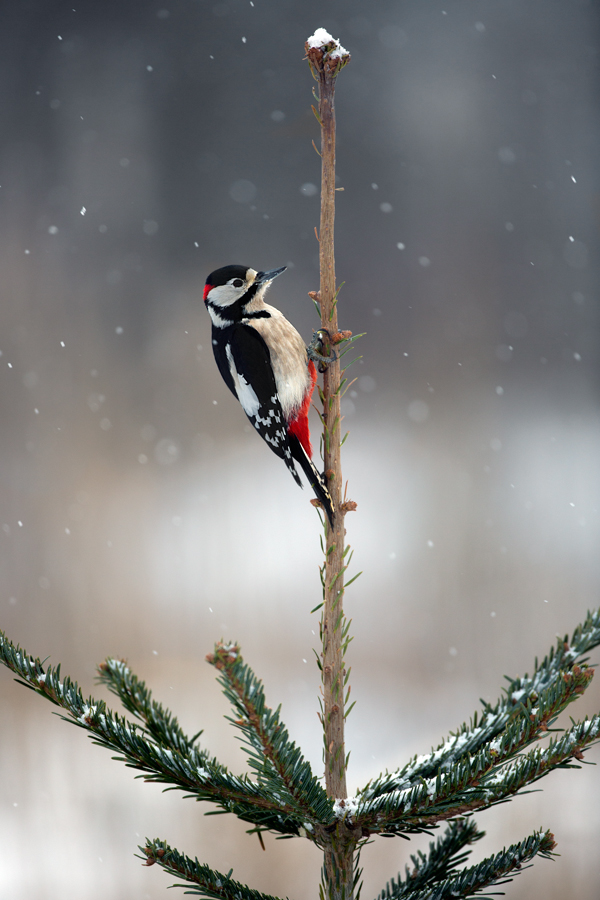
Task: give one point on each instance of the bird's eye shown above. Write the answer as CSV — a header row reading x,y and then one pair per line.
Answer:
x,y
237,282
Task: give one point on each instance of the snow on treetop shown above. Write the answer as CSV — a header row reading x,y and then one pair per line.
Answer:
x,y
321,37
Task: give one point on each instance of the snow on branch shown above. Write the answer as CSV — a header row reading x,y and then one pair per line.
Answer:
x,y
526,712
474,783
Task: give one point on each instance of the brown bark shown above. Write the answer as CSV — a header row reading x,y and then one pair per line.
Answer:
x,y
333,663
339,853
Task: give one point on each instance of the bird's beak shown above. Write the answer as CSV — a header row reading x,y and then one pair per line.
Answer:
x,y
264,277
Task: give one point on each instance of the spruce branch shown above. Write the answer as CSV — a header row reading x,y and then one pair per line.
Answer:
x,y
200,880
473,783
159,723
526,712
495,870
191,770
445,855
278,762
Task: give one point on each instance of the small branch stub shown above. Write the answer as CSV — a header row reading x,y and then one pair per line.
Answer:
x,y
339,336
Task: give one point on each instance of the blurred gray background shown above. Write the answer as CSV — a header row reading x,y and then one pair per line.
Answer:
x,y
141,147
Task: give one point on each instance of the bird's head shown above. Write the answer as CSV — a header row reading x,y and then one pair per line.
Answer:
x,y
231,284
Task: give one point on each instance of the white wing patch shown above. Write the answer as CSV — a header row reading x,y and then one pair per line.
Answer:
x,y
270,425
245,392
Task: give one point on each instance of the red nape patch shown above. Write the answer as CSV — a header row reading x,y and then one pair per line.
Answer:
x,y
299,425
207,288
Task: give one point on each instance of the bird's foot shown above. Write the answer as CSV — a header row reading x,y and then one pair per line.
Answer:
x,y
316,346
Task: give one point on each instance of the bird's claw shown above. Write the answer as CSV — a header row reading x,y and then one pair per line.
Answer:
x,y
315,354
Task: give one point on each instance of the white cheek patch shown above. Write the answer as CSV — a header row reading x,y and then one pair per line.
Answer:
x,y
224,295
245,392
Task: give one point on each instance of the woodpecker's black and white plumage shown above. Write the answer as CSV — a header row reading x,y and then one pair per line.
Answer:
x,y
264,363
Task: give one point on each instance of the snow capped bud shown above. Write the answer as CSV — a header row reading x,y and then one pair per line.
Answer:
x,y
325,54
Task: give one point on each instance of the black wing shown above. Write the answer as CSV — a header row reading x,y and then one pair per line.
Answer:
x,y
245,364
315,479
220,340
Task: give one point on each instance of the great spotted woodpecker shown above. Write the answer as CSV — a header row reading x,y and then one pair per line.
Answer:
x,y
264,363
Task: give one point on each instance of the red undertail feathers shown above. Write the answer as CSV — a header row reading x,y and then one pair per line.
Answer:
x,y
299,424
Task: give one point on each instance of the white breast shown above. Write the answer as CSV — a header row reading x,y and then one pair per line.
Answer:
x,y
288,358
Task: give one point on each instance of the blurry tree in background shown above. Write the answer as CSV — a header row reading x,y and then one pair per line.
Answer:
x,y
142,146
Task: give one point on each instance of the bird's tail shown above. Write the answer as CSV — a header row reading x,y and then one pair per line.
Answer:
x,y
315,479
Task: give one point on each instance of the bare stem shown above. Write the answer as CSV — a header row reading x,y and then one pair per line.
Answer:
x,y
333,663
339,856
